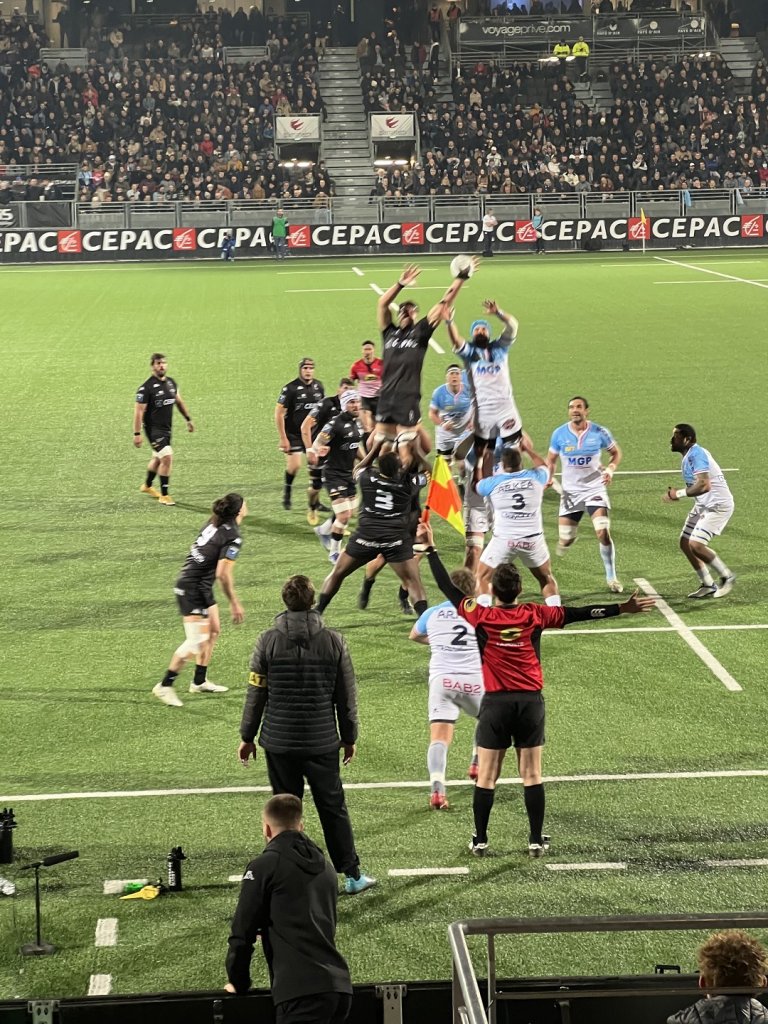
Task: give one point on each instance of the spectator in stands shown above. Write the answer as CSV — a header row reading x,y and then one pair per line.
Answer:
x,y
435,19
730,959
453,17
581,53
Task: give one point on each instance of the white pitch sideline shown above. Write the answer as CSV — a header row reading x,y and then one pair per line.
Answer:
x,y
617,865
425,872
100,985
735,773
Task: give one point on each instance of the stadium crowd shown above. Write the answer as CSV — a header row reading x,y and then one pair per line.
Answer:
x,y
521,130
164,127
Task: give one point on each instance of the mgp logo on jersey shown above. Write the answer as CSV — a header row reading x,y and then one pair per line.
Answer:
x,y
299,237
752,225
637,231
525,232
69,241
184,239
412,234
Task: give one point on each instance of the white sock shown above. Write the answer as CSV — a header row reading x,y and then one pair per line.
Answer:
x,y
437,765
720,567
554,601
705,576
608,555
326,527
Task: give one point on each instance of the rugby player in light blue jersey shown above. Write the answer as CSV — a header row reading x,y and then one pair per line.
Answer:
x,y
704,481
579,445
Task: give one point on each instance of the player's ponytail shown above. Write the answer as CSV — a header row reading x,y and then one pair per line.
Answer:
x,y
226,509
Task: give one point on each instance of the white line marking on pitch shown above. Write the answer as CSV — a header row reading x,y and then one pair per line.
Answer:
x,y
433,344
759,863
618,865
309,291
735,773
421,872
115,886
658,472
358,271
690,638
100,985
706,270
235,878
106,932
647,629
734,280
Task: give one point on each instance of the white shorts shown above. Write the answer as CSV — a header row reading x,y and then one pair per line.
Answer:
x,y
448,695
448,440
497,421
572,504
532,551
476,520
702,523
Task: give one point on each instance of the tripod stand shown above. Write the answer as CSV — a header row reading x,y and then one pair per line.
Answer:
x,y
39,947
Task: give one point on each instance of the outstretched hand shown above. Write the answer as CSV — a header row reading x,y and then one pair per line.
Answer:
x,y
424,534
490,307
409,275
637,604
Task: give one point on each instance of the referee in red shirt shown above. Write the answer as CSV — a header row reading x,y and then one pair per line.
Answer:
x,y
366,373
512,709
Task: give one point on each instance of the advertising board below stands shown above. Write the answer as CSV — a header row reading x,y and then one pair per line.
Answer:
x,y
526,30
72,245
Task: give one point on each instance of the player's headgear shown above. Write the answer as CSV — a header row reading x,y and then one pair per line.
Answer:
x,y
307,361
346,397
453,366
480,323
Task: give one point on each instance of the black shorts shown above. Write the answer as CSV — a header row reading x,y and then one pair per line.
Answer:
x,y
339,487
405,411
158,438
370,404
511,719
363,549
193,600
297,445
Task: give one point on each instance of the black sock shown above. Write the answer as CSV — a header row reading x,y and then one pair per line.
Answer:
x,y
368,584
534,807
200,674
289,478
164,484
322,603
402,594
482,804
420,607
336,535
169,678
150,477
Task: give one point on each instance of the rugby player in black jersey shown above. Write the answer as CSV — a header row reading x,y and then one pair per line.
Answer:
x,y
340,442
298,397
383,528
313,423
155,400
403,350
211,559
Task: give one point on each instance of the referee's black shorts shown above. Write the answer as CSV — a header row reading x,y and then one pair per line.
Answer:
x,y
511,719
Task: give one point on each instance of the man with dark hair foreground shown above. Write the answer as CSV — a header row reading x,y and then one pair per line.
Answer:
x,y
302,702
512,709
729,959
288,897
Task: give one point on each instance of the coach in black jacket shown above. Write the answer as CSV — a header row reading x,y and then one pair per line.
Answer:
x,y
302,693
288,897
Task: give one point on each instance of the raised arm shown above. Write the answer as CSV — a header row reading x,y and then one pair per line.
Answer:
x,y
436,314
408,277
448,315
510,322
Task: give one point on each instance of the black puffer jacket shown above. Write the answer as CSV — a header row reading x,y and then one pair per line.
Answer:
x,y
303,685
722,1010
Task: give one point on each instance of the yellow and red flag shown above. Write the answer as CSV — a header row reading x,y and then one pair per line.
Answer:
x,y
443,496
643,218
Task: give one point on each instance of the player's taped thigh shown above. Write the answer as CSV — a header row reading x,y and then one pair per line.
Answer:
x,y
164,453
197,634
700,535
475,540
566,533
342,505
601,523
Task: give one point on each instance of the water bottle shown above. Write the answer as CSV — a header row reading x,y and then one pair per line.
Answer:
x,y
175,857
7,824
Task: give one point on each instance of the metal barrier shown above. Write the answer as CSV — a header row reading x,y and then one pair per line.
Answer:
x,y
468,1007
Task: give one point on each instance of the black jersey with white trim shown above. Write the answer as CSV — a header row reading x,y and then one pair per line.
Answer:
x,y
299,399
403,352
213,544
158,396
385,504
343,436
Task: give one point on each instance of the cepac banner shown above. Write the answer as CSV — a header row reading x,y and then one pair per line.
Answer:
x,y
75,245
298,128
392,126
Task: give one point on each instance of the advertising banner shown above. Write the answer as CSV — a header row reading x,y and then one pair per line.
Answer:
x,y
392,126
601,27
8,217
75,245
298,128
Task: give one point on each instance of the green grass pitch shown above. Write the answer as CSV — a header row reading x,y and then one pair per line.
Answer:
x,y
90,620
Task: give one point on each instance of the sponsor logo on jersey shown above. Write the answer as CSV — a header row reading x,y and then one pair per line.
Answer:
x,y
69,241
412,234
509,635
299,237
184,239
579,460
598,613
248,876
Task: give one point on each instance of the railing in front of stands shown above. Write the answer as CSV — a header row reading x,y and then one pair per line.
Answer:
x,y
378,209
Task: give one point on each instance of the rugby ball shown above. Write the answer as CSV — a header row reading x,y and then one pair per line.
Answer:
x,y
462,265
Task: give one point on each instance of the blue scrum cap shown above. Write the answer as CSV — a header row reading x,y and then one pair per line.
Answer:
x,y
480,323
